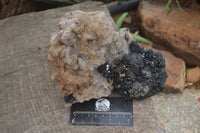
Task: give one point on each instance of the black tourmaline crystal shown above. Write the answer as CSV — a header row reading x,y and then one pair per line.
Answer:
x,y
139,74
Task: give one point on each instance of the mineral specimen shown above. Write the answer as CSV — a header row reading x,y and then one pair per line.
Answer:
x,y
89,58
78,48
139,74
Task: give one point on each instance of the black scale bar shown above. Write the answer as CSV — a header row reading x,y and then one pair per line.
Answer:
x,y
120,113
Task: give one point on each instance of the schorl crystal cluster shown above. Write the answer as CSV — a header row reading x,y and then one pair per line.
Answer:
x,y
89,58
138,74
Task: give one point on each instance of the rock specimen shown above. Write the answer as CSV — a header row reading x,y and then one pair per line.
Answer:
x,y
77,49
138,74
176,31
193,75
175,68
89,59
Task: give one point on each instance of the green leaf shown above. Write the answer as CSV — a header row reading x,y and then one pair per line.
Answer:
x,y
168,6
121,19
141,39
178,4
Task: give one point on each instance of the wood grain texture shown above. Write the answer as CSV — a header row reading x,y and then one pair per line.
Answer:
x,y
29,101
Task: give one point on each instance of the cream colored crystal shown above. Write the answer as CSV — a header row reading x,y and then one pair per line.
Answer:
x,y
84,41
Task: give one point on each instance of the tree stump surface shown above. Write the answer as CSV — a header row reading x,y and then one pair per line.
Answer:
x,y
29,101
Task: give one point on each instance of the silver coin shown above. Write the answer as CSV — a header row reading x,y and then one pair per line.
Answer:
x,y
102,105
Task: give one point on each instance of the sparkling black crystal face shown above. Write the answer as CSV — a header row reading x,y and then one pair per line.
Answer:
x,y
139,74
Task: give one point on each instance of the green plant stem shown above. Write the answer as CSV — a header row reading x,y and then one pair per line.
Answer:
x,y
141,39
177,2
168,7
121,19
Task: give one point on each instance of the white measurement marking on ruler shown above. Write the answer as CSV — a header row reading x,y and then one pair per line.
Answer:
x,y
110,113
95,123
92,114
92,119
